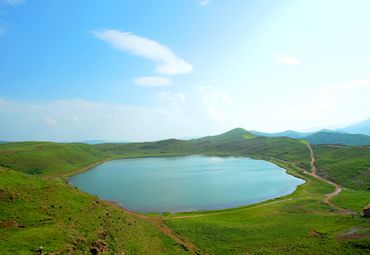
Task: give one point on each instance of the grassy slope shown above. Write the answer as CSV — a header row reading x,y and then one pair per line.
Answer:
x,y
338,138
347,166
35,211
354,200
45,158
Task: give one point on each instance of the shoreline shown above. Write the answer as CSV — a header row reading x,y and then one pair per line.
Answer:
x,y
153,214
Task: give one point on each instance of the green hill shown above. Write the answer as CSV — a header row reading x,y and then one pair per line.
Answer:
x,y
237,142
324,137
345,165
233,134
46,158
36,211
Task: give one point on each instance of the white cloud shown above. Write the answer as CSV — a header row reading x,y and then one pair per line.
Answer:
x,y
152,81
286,59
204,2
48,120
13,2
347,86
215,102
172,98
167,61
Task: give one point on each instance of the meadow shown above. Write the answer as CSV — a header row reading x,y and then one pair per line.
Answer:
x,y
38,207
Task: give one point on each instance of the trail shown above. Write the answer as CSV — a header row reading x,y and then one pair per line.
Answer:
x,y
338,188
159,223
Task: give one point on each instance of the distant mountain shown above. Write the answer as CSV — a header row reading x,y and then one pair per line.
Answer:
x,y
362,127
4,142
288,133
325,137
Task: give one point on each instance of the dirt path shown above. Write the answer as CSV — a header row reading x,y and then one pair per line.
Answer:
x,y
159,223
188,246
338,188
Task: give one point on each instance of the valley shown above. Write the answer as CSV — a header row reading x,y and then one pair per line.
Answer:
x,y
312,220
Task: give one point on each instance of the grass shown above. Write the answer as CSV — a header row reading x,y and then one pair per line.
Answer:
x,y
37,208
354,200
36,211
46,158
347,166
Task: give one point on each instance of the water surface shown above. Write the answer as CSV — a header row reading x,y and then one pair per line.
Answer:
x,y
191,183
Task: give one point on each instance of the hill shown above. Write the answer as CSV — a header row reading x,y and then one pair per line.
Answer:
x,y
324,137
288,133
347,166
237,142
46,158
36,211
362,127
234,134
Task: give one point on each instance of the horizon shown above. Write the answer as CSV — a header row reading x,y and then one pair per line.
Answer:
x,y
101,141
119,71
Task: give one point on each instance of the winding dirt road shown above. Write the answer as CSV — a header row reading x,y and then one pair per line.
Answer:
x,y
338,188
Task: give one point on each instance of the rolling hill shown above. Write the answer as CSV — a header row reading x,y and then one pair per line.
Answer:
x,y
47,158
325,137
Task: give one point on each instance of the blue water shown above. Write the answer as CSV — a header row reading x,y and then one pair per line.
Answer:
x,y
191,183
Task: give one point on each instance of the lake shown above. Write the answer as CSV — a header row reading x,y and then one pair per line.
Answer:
x,y
190,183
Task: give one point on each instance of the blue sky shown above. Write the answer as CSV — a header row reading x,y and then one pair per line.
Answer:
x,y
147,70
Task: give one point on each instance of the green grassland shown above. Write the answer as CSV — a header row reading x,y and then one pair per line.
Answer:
x,y
45,158
353,200
38,207
37,211
329,137
347,166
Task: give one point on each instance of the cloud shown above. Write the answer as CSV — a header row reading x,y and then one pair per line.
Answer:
x,y
286,59
204,2
152,81
167,63
356,84
48,120
172,98
13,2
215,102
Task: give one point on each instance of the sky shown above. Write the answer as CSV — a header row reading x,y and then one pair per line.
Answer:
x,y
135,70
